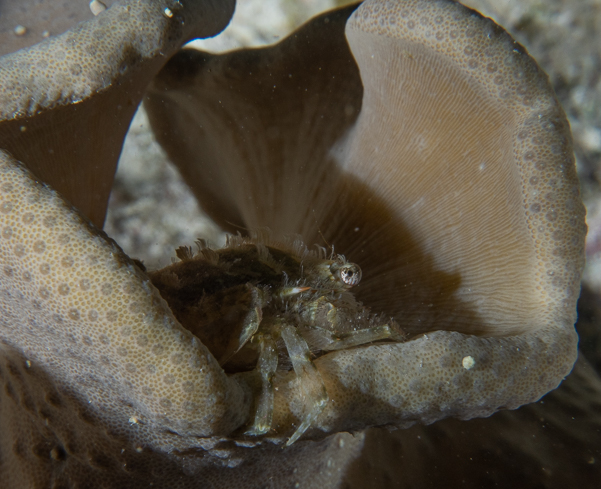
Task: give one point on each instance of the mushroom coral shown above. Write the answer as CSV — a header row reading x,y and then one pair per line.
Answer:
x,y
441,163
102,386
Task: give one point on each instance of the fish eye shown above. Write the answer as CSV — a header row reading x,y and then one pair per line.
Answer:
x,y
349,273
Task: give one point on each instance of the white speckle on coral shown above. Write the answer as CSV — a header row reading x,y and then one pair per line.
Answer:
x,y
468,362
96,7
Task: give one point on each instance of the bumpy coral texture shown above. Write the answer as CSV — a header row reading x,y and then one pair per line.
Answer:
x,y
71,295
451,176
100,381
440,373
122,37
66,103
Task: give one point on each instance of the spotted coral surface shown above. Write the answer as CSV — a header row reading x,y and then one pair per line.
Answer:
x,y
103,387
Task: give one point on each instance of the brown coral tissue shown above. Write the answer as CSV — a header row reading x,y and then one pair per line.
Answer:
x,y
416,138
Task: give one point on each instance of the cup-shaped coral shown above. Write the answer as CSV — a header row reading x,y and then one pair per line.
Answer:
x,y
441,163
432,152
